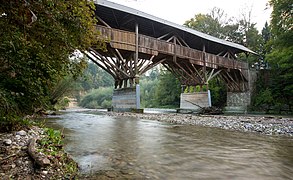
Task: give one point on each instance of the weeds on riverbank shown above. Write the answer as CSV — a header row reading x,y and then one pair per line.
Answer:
x,y
52,146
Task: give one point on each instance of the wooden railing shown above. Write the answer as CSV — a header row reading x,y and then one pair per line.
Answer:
x,y
125,40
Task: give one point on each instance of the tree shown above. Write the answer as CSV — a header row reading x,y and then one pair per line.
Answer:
x,y
266,36
148,86
211,23
167,92
281,55
205,23
94,77
37,38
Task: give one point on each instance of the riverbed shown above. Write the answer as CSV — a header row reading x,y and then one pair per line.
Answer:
x,y
123,146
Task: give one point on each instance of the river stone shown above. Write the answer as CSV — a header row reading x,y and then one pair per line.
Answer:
x,y
7,142
111,174
17,137
13,166
21,133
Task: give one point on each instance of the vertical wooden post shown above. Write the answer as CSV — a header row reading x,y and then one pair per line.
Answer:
x,y
174,43
204,61
136,49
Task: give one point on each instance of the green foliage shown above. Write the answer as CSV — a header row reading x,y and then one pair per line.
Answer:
x,y
62,103
62,88
13,123
280,55
160,90
206,24
52,140
241,31
37,38
264,100
94,77
218,92
97,98
168,90
52,146
148,86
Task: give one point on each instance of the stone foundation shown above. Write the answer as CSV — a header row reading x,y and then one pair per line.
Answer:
x,y
237,102
199,98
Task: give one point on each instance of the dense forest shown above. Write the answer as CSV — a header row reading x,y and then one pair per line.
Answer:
x,y
38,41
39,58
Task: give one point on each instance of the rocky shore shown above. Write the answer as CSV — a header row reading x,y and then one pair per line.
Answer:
x,y
17,163
269,125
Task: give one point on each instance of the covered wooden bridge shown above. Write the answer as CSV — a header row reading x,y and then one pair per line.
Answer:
x,y
136,42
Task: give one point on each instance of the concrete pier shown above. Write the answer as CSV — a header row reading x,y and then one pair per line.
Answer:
x,y
187,101
125,100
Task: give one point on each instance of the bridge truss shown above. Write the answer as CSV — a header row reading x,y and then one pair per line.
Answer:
x,y
137,42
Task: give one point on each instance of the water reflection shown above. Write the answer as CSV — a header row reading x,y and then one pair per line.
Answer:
x,y
155,150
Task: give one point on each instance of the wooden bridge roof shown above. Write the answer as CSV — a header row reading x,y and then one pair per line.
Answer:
x,y
123,17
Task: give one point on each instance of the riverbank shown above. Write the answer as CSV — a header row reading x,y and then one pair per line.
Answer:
x,y
268,125
16,161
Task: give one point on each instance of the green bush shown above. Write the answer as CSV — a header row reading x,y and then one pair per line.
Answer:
x,y
97,98
106,104
62,103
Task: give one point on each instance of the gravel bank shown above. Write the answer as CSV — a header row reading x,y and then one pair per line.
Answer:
x,y
15,162
269,125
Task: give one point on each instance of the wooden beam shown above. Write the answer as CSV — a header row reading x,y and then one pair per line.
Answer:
x,y
106,65
163,36
183,41
126,20
231,78
201,79
171,38
179,75
220,53
113,65
213,75
101,66
178,42
204,61
151,66
103,22
185,71
115,18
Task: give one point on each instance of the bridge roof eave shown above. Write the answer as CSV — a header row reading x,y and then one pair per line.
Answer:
x,y
119,7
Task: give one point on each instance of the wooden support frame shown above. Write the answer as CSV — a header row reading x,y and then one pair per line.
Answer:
x,y
127,58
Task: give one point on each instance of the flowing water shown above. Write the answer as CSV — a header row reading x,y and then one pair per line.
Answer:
x,y
128,148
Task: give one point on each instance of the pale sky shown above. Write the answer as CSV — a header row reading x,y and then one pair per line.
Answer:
x,y
180,11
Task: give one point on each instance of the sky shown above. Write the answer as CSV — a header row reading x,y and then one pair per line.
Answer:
x,y
180,11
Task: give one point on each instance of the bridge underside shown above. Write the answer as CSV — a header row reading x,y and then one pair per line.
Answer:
x,y
192,67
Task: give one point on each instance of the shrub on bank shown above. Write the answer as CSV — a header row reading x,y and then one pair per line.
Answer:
x,y
97,98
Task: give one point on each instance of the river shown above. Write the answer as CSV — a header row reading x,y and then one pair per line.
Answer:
x,y
108,147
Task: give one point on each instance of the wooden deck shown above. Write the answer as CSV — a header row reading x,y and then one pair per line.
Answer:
x,y
125,40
